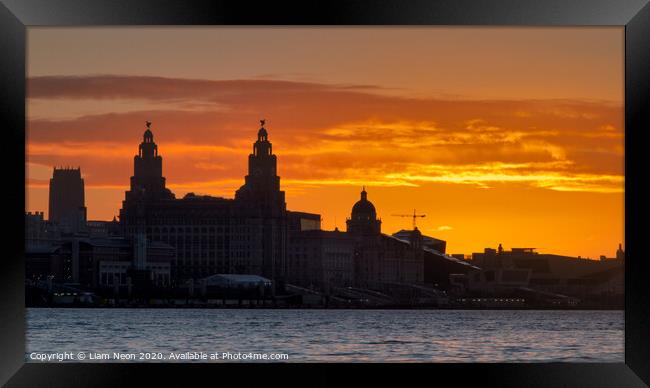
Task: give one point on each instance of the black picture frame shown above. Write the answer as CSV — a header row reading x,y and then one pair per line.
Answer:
x,y
17,15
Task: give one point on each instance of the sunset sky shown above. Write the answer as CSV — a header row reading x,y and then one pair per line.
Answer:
x,y
498,135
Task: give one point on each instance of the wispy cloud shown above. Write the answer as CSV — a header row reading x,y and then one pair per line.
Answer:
x,y
323,134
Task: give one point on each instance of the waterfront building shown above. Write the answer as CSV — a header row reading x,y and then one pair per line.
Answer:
x,y
319,259
365,258
565,275
254,233
93,263
380,259
211,235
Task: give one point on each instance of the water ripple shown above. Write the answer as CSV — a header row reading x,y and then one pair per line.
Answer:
x,y
337,335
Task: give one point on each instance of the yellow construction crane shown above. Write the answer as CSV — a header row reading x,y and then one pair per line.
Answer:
x,y
414,216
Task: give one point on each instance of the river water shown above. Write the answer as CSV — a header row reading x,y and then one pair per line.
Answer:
x,y
326,335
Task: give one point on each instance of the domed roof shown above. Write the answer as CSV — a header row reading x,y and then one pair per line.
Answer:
x,y
364,208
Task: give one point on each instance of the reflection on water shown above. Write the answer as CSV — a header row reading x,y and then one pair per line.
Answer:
x,y
337,335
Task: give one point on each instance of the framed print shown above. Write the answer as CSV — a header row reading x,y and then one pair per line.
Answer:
x,y
351,192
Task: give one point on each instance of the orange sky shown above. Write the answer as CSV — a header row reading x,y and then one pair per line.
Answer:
x,y
498,135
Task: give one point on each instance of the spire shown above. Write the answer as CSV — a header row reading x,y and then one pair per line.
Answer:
x,y
262,135
148,149
262,146
364,194
262,184
620,254
148,135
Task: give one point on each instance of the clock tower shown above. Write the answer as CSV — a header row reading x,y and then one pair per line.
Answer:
x,y
148,180
262,205
262,184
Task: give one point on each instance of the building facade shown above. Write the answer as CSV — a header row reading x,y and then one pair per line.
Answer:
x,y
565,275
214,235
94,262
319,259
364,257
380,259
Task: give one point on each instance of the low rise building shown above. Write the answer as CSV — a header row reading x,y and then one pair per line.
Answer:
x,y
552,273
96,263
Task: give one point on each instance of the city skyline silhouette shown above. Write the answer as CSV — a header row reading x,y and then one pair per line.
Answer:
x,y
487,168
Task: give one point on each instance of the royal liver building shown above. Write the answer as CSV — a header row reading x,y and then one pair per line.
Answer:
x,y
247,234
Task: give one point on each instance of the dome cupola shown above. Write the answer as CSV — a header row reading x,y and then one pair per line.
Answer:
x,y
364,217
364,209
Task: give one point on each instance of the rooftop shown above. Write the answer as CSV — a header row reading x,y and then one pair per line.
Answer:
x,y
433,251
